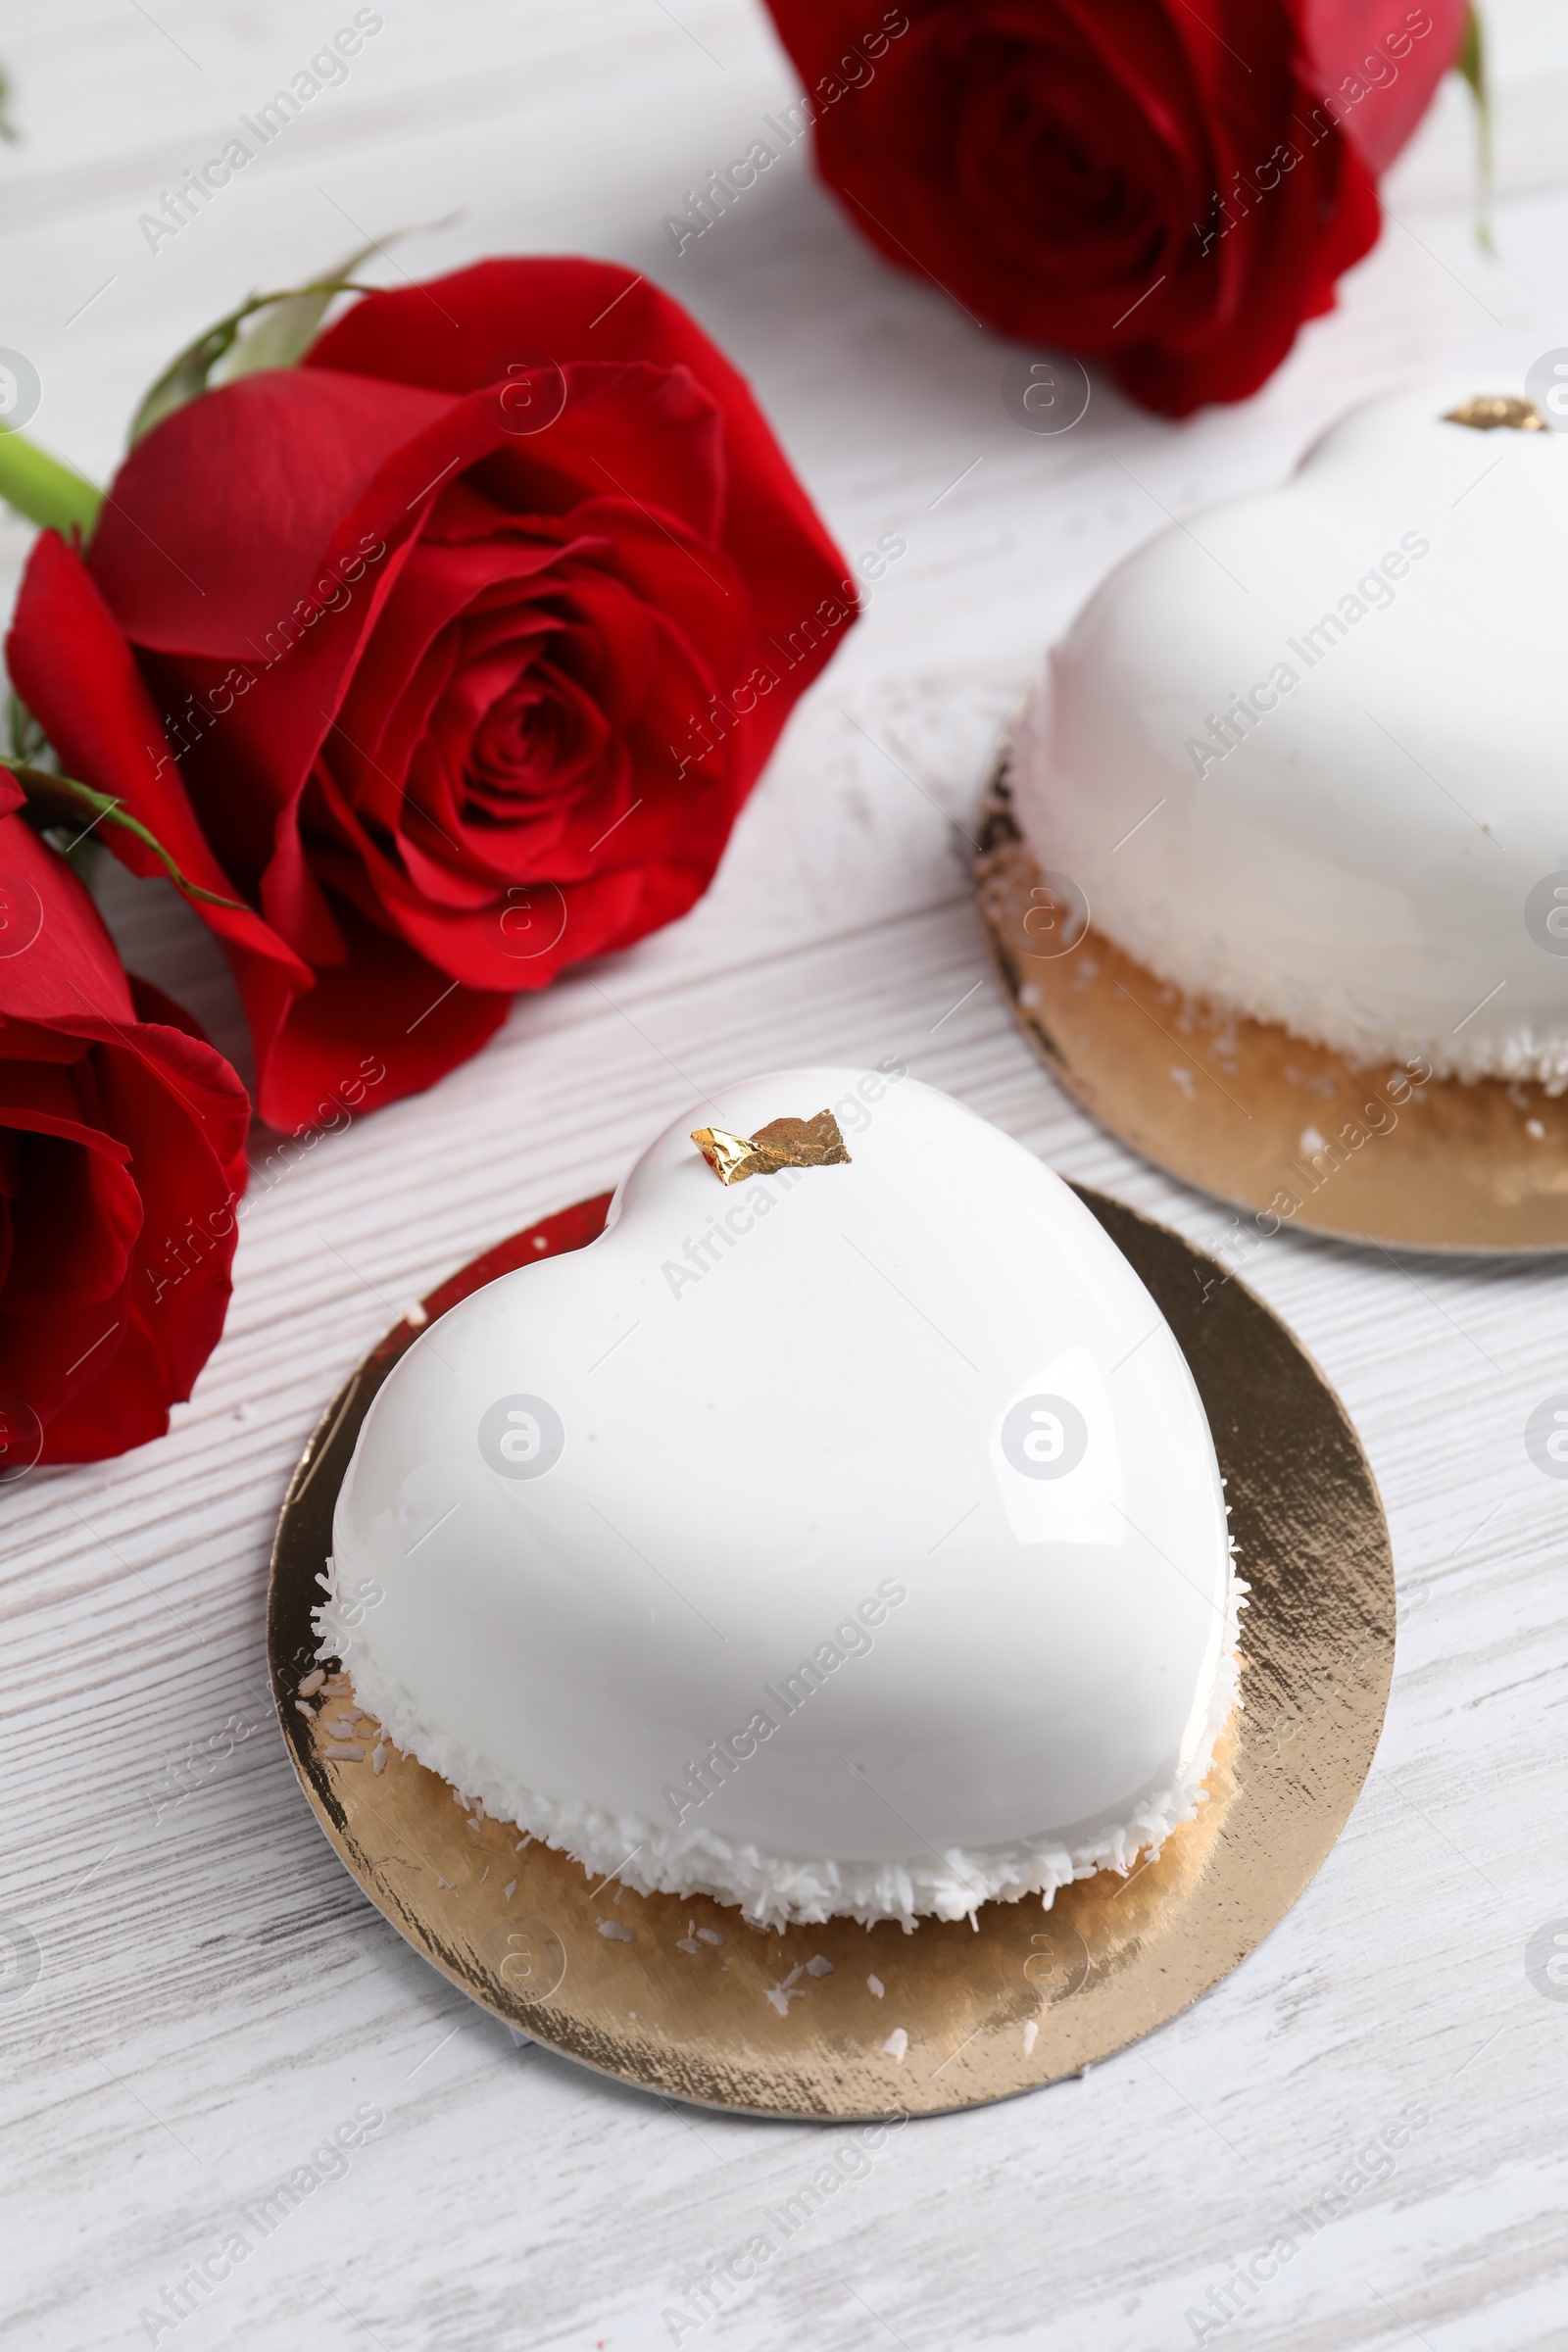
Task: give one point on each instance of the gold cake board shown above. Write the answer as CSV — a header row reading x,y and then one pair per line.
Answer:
x,y
683,1997
1285,1131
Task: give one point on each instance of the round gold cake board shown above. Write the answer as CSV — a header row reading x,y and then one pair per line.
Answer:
x,y
682,1996
1288,1132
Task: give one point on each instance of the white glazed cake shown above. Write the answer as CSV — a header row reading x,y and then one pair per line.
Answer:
x,y
846,1540
1305,754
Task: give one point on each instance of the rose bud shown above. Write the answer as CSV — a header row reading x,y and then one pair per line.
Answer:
x,y
121,1156
465,641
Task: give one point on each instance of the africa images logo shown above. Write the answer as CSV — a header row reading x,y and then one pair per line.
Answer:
x,y
1547,1437
1044,1437
522,1437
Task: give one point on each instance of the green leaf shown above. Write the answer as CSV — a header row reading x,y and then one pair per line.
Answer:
x,y
8,129
1471,66
53,798
48,492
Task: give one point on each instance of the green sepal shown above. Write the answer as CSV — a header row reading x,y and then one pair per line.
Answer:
x,y
52,797
288,324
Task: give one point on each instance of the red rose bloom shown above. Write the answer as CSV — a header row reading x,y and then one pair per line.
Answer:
x,y
121,1153
462,643
1170,189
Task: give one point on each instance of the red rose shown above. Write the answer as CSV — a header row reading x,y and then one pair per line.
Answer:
x,y
465,663
121,1152
1168,188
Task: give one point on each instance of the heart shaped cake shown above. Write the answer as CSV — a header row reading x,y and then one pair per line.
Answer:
x,y
1303,754
841,1533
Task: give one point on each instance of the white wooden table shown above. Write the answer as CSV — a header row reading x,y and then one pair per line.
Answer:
x,y
212,1995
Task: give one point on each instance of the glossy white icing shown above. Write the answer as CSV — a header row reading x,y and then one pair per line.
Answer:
x,y
754,1491
1368,847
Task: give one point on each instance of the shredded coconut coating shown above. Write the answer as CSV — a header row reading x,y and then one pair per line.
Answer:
x,y
772,1890
1333,1014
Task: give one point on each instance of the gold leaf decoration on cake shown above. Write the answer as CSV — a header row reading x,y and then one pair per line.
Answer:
x,y
782,1144
1489,410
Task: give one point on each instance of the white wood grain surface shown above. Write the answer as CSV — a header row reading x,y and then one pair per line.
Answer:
x,y
212,1995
